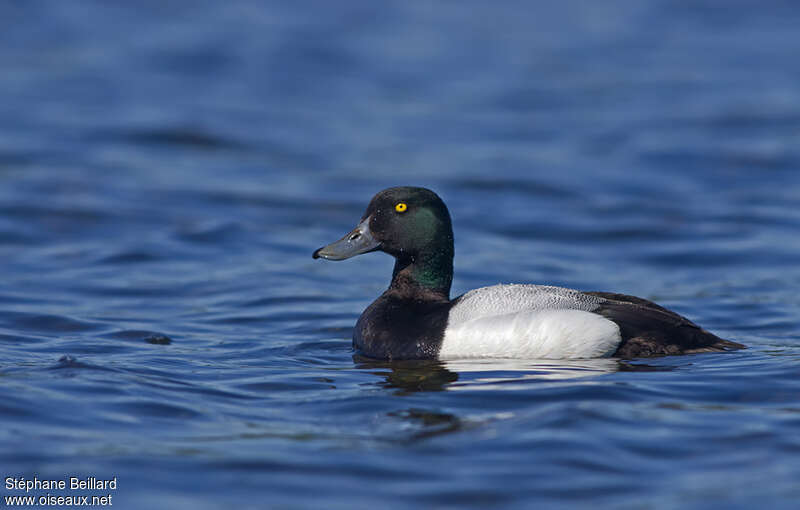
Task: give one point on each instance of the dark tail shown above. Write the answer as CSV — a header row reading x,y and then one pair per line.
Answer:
x,y
651,330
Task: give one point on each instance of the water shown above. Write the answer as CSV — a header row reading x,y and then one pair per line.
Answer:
x,y
166,171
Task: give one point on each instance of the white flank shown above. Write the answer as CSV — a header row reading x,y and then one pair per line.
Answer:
x,y
528,321
540,334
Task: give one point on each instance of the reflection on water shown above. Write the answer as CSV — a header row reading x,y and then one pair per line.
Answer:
x,y
487,374
413,376
429,423
409,375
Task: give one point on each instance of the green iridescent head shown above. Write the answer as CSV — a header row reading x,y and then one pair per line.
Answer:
x,y
411,224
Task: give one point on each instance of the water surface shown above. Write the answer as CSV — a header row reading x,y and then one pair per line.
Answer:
x,y
167,170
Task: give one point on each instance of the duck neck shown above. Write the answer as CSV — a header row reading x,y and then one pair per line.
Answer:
x,y
427,275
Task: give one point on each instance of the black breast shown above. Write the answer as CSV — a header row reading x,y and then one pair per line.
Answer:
x,y
395,327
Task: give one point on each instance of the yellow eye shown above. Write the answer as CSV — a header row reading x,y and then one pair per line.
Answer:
x,y
401,207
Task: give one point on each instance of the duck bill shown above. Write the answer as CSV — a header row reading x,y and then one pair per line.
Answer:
x,y
357,241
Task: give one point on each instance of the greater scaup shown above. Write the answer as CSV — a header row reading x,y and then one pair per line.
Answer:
x,y
415,318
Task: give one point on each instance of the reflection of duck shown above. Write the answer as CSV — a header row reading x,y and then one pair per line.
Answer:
x,y
484,371
504,375
411,376
415,318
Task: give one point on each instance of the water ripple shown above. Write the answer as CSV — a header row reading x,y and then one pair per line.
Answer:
x,y
160,196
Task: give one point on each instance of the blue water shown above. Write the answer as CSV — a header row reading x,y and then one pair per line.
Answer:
x,y
167,169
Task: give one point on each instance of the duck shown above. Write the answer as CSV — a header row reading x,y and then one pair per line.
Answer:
x,y
416,319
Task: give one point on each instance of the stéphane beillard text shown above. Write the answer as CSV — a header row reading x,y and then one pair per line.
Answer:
x,y
73,483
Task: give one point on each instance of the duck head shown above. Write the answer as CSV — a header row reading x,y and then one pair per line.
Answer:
x,y
411,224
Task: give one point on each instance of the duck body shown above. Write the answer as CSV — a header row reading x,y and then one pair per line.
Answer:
x,y
415,318
527,322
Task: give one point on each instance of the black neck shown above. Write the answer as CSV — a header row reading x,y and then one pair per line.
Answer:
x,y
424,275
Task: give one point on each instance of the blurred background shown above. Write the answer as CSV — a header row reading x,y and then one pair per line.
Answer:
x,y
167,169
